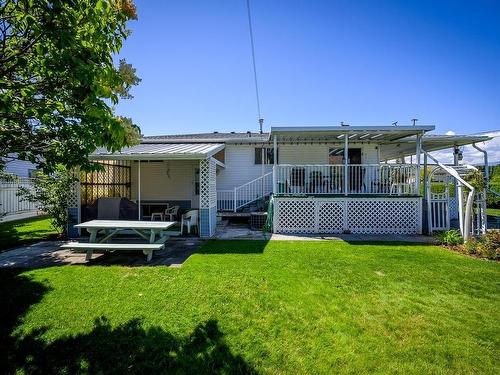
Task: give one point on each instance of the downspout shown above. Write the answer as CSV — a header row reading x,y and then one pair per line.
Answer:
x,y
486,167
487,180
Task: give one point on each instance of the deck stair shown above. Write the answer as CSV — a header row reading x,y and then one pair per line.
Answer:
x,y
246,197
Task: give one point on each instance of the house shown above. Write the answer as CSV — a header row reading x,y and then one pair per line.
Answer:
x,y
329,179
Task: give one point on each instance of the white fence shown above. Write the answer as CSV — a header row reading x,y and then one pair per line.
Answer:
x,y
10,201
381,179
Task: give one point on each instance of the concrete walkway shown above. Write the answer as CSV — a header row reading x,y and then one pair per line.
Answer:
x,y
243,232
48,254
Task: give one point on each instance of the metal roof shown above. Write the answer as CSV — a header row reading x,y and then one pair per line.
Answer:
x,y
232,137
430,142
379,134
179,151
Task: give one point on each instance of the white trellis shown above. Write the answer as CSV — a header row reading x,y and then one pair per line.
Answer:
x,y
396,215
208,197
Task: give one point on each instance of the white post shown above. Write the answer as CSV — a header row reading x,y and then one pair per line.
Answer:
x,y
139,189
275,166
460,196
426,195
346,167
417,157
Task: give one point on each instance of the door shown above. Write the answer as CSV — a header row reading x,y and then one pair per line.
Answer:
x,y
356,172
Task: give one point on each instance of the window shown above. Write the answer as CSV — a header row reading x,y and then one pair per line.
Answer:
x,y
268,154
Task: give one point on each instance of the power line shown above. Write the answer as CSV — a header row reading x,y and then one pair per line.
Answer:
x,y
261,120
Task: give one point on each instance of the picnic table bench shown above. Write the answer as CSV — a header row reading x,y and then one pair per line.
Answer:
x,y
147,230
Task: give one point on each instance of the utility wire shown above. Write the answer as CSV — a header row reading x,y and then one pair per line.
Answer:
x,y
261,120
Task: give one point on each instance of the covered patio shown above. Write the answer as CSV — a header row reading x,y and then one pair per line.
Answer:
x,y
155,182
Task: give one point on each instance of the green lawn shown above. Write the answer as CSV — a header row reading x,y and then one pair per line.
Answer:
x,y
19,232
493,211
260,307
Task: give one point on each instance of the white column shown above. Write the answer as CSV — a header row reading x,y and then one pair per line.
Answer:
x,y
417,157
346,166
426,194
275,166
139,189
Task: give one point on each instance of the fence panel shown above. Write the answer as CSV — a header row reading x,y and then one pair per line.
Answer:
x,y
10,201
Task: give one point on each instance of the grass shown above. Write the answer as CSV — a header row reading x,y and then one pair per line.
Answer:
x,y
20,232
493,211
260,307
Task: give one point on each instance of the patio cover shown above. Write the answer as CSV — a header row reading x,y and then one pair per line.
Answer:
x,y
172,151
378,134
430,142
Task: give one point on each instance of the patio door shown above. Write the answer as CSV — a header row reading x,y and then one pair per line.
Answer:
x,y
356,172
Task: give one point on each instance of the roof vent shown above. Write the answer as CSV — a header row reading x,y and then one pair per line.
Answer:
x,y
233,132
215,132
342,123
249,133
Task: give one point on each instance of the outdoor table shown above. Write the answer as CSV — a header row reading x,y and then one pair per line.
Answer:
x,y
148,230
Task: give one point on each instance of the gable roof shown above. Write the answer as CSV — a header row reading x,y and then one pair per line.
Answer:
x,y
232,137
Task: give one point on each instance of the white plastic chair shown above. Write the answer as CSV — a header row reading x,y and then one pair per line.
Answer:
x,y
171,213
189,219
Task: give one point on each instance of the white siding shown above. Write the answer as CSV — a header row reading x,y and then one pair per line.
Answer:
x,y
240,167
166,180
19,167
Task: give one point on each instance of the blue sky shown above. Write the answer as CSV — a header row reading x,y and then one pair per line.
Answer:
x,y
319,63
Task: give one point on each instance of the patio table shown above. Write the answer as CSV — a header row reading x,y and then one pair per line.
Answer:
x,y
148,230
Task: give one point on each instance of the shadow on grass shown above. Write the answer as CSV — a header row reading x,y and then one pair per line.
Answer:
x,y
125,349
129,349
234,247
17,294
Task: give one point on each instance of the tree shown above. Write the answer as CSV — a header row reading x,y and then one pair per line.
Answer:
x,y
58,81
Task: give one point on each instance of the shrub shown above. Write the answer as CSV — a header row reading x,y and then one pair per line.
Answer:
x,y
487,246
450,237
470,247
51,193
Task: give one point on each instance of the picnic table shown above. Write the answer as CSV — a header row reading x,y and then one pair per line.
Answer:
x,y
147,230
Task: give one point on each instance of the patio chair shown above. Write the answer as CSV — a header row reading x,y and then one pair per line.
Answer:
x,y
157,215
171,213
189,219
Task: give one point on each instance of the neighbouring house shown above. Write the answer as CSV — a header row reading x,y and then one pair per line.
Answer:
x,y
328,179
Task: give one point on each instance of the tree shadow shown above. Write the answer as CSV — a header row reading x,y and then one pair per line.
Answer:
x,y
128,349
17,294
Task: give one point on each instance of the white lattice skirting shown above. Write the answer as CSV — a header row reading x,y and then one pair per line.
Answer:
x,y
357,215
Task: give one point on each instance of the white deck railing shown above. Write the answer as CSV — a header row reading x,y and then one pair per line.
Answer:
x,y
240,196
372,179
